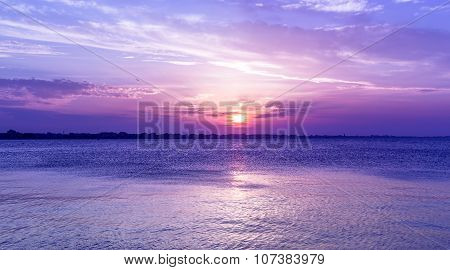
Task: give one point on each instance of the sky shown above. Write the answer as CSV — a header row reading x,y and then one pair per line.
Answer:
x,y
82,66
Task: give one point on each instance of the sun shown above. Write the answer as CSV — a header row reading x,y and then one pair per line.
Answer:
x,y
238,118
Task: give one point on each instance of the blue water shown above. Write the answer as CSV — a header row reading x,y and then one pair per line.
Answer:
x,y
366,193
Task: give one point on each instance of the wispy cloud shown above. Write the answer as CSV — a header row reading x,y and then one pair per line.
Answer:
x,y
189,18
87,5
11,46
407,1
343,6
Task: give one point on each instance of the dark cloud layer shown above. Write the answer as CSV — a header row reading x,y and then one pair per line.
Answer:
x,y
17,92
42,88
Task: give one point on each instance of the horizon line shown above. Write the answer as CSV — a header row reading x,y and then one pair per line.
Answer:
x,y
12,134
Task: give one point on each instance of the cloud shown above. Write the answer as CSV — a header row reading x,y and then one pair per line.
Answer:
x,y
126,91
43,90
125,36
182,63
87,5
173,62
255,68
10,46
407,1
189,18
340,6
11,103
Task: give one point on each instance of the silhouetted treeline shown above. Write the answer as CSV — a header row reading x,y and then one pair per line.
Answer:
x,y
14,135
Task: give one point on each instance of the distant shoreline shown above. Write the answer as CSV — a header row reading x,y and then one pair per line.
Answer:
x,y
14,135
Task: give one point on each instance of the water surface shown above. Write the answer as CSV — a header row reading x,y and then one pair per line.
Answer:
x,y
366,193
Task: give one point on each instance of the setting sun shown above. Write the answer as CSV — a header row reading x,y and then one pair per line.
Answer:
x,y
238,118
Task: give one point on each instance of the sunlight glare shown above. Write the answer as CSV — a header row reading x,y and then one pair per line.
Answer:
x,y
238,118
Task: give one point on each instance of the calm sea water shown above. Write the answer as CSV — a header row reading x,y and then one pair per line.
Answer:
x,y
342,194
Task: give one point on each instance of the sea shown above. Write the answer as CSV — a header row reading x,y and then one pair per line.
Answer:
x,y
340,193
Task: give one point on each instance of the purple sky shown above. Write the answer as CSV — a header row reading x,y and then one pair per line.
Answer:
x,y
226,50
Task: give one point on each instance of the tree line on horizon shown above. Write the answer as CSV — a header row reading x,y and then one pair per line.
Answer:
x,y
14,135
